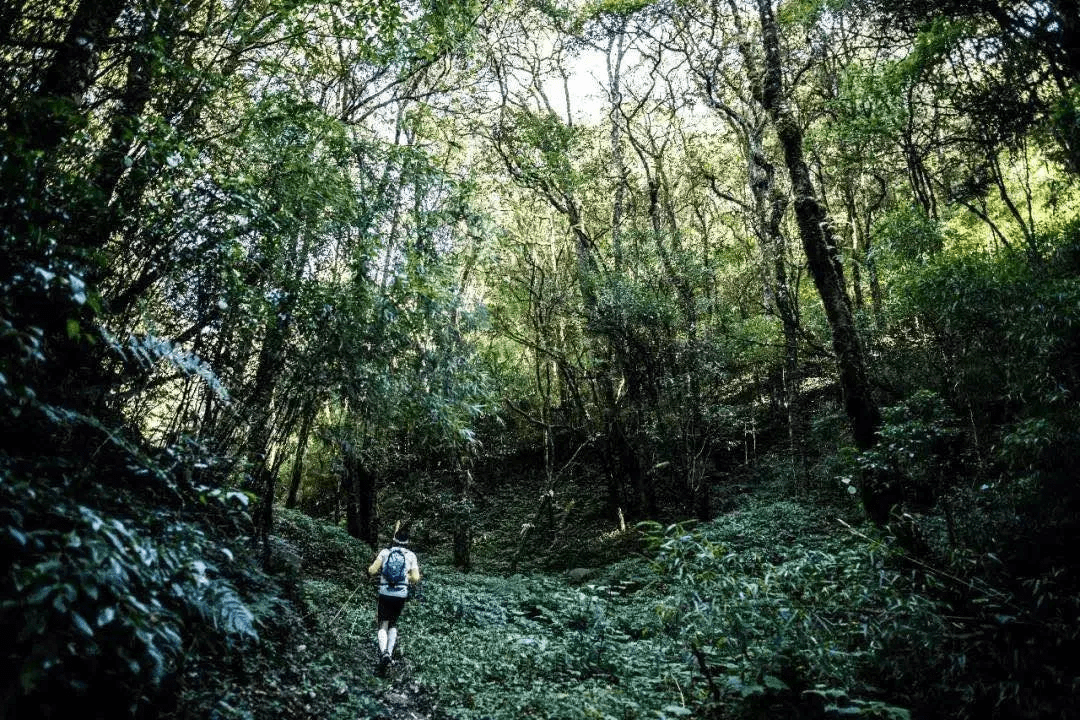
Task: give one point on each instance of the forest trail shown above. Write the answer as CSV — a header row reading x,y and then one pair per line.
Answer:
x,y
405,701
404,698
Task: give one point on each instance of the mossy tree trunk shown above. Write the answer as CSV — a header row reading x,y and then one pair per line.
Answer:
x,y
306,421
358,487
822,254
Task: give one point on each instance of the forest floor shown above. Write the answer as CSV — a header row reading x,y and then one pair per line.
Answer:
x,y
405,699
611,639
484,645
405,703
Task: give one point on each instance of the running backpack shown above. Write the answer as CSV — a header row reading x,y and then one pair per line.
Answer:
x,y
393,569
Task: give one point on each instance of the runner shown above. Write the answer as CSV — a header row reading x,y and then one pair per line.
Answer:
x,y
398,570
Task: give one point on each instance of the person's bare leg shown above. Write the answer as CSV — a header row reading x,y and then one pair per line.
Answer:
x,y
391,640
383,636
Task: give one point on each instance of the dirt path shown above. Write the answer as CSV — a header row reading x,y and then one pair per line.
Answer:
x,y
404,702
405,698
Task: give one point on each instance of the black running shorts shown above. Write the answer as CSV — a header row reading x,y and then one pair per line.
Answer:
x,y
390,609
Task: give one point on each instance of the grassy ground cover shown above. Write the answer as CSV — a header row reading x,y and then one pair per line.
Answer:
x,y
771,609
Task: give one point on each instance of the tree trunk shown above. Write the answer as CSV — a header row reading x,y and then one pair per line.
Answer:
x,y
259,403
463,522
301,448
858,246
615,52
770,206
819,244
53,113
358,486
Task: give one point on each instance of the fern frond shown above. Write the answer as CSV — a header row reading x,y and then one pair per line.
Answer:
x,y
228,613
148,350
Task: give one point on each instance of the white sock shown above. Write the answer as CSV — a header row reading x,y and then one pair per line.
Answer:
x,y
382,640
391,640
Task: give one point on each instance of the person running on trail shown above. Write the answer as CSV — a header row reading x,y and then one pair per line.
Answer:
x,y
398,570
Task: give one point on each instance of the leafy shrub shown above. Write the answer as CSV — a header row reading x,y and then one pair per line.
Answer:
x,y
919,440
976,306
985,427
778,627
325,551
771,611
101,607
527,644
763,524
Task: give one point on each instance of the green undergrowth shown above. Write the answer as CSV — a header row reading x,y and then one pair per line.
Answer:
x,y
775,610
324,551
530,645
771,611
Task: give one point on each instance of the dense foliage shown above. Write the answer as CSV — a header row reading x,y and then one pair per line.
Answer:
x,y
758,317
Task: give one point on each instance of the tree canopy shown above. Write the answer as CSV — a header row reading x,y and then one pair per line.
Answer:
x,y
551,279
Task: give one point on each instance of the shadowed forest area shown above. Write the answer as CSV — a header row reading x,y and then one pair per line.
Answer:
x,y
722,356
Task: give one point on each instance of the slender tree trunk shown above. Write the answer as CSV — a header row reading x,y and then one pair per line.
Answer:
x,y
463,523
819,244
261,479
876,296
770,205
301,449
615,53
260,404
358,486
858,253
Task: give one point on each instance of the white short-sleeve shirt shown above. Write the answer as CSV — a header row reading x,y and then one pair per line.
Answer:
x,y
411,565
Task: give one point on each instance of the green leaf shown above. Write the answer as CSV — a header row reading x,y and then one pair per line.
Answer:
x,y
81,625
18,536
106,616
39,595
78,289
